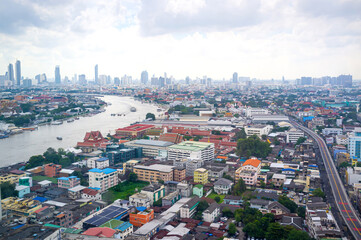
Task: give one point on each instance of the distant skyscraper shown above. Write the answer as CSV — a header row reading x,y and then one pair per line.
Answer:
x,y
37,78
27,82
116,81
188,80
82,79
144,77
96,79
2,80
235,78
344,80
57,75
154,81
11,73
18,73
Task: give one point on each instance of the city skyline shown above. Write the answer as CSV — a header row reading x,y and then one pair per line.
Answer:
x,y
263,40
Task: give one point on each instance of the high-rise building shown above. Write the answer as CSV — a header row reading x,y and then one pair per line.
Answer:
x,y
116,81
344,80
144,77
154,81
27,83
96,79
354,144
17,73
37,78
11,73
82,79
188,80
235,78
2,80
57,75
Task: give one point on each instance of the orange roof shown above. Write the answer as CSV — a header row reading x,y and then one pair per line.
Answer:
x,y
253,162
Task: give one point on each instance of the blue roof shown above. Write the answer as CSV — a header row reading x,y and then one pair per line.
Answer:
x,y
124,226
40,199
288,169
102,159
67,178
313,165
141,209
105,170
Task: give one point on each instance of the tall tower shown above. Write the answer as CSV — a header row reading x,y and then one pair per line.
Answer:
x,y
144,77
235,78
96,77
57,75
11,73
18,73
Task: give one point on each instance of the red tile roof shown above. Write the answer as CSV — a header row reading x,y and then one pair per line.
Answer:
x,y
100,232
136,127
253,162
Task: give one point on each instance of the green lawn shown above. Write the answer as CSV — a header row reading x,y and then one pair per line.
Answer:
x,y
123,190
41,178
213,195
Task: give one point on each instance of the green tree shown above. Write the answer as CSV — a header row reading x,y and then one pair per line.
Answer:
x,y
132,177
241,134
203,205
158,203
239,187
301,212
226,212
8,190
301,140
217,199
254,229
35,161
150,115
264,137
288,203
274,231
226,176
253,146
232,229
318,193
298,235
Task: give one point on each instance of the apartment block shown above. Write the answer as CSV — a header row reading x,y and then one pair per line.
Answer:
x,y
103,179
154,172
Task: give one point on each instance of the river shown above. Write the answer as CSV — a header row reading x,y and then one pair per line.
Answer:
x,y
20,147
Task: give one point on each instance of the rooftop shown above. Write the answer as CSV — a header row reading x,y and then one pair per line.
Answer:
x,y
136,127
191,146
156,167
105,170
151,143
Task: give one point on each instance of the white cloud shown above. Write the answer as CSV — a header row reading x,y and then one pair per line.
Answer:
x,y
257,38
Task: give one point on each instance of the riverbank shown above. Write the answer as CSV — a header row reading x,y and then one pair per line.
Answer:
x,y
19,148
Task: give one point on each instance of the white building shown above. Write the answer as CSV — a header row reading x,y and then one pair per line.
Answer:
x,y
183,150
151,148
341,139
293,135
103,178
354,144
258,130
189,209
353,175
140,200
329,131
211,213
255,111
96,162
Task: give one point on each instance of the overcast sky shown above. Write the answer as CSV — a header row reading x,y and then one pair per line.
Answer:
x,y
257,38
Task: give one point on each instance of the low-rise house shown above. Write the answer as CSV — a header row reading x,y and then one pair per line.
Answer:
x,y
211,213
75,192
184,189
201,176
22,190
198,190
89,193
277,208
124,230
223,186
233,200
296,222
260,204
171,198
278,179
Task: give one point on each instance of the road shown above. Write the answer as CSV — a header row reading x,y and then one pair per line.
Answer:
x,y
342,201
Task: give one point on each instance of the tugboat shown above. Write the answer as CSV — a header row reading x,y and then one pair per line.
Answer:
x,y
70,120
133,109
59,138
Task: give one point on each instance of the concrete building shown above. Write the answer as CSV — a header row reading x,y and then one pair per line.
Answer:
x,y
154,172
278,179
103,179
140,200
179,174
52,170
332,131
258,130
140,218
293,135
97,162
198,190
68,182
341,139
184,189
353,175
249,112
211,213
183,150
151,148
354,144
133,131
201,176
189,209
249,172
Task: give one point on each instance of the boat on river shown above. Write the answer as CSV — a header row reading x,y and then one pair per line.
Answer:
x,y
70,120
59,138
133,109
56,123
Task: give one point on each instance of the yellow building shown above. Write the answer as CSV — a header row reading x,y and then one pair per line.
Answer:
x,y
201,176
154,172
12,177
20,207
